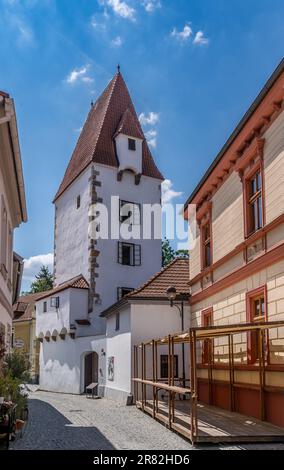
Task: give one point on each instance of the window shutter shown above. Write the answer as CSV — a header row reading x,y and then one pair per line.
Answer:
x,y
136,214
119,293
119,253
137,255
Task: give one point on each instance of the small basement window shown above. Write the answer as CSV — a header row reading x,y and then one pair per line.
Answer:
x,y
131,144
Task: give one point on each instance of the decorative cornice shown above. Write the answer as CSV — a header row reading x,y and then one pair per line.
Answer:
x,y
253,151
270,257
239,248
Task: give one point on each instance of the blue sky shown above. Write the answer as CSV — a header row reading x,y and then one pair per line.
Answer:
x,y
195,65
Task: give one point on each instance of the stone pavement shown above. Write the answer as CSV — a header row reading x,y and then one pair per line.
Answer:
x,y
59,421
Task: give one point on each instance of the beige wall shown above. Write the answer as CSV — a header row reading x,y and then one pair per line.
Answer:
x,y
229,307
227,209
5,280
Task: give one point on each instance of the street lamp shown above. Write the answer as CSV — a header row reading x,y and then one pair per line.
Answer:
x,y
172,296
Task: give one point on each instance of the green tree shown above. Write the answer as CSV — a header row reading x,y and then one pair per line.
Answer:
x,y
44,281
168,253
182,254
17,366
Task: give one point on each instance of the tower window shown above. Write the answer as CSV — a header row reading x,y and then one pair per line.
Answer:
x,y
131,144
130,212
78,201
129,254
122,291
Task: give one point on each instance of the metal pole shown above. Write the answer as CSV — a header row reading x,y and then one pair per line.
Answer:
x,y
154,377
182,346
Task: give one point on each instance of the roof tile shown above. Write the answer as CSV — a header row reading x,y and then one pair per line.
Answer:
x,y
96,143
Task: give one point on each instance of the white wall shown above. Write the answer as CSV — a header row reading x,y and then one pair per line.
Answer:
x,y
119,346
112,274
73,305
62,363
140,322
71,231
129,159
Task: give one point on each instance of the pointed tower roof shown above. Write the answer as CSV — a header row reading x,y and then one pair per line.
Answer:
x,y
114,108
128,126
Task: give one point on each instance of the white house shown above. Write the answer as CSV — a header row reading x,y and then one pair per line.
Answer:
x,y
143,315
12,213
111,158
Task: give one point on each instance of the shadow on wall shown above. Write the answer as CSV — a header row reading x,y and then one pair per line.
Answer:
x,y
47,429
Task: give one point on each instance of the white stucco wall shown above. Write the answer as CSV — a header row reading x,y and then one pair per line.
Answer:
x,y
62,363
73,305
71,231
129,159
119,346
111,274
141,322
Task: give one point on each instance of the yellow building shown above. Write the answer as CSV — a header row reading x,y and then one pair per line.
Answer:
x,y
24,331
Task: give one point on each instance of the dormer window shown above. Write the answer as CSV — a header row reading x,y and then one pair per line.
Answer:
x,y
131,144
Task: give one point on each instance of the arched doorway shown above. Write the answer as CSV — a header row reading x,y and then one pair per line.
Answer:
x,y
91,369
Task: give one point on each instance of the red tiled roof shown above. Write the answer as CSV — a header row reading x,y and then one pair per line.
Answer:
x,y
24,308
78,282
175,274
96,139
128,126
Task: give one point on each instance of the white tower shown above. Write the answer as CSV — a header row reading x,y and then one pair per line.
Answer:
x,y
111,158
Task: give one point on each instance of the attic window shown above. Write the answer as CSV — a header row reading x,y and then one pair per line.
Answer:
x,y
78,201
131,144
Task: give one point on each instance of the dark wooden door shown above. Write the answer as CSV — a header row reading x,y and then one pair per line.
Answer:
x,y
91,368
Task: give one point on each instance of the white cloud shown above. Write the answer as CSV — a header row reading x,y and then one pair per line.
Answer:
x,y
151,119
79,75
120,8
33,264
117,42
184,35
98,25
168,193
200,38
151,5
151,137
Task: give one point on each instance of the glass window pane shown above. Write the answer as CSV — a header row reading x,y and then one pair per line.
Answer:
x,y
259,182
259,210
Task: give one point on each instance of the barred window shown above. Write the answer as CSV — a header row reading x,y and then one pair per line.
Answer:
x,y
129,254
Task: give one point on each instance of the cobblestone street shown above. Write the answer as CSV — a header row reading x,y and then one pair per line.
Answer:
x,y
60,421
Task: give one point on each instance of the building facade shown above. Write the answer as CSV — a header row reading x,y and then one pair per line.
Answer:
x,y
237,264
142,315
111,171
24,332
12,213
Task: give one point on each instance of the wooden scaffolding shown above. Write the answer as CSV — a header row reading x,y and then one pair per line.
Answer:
x,y
195,421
